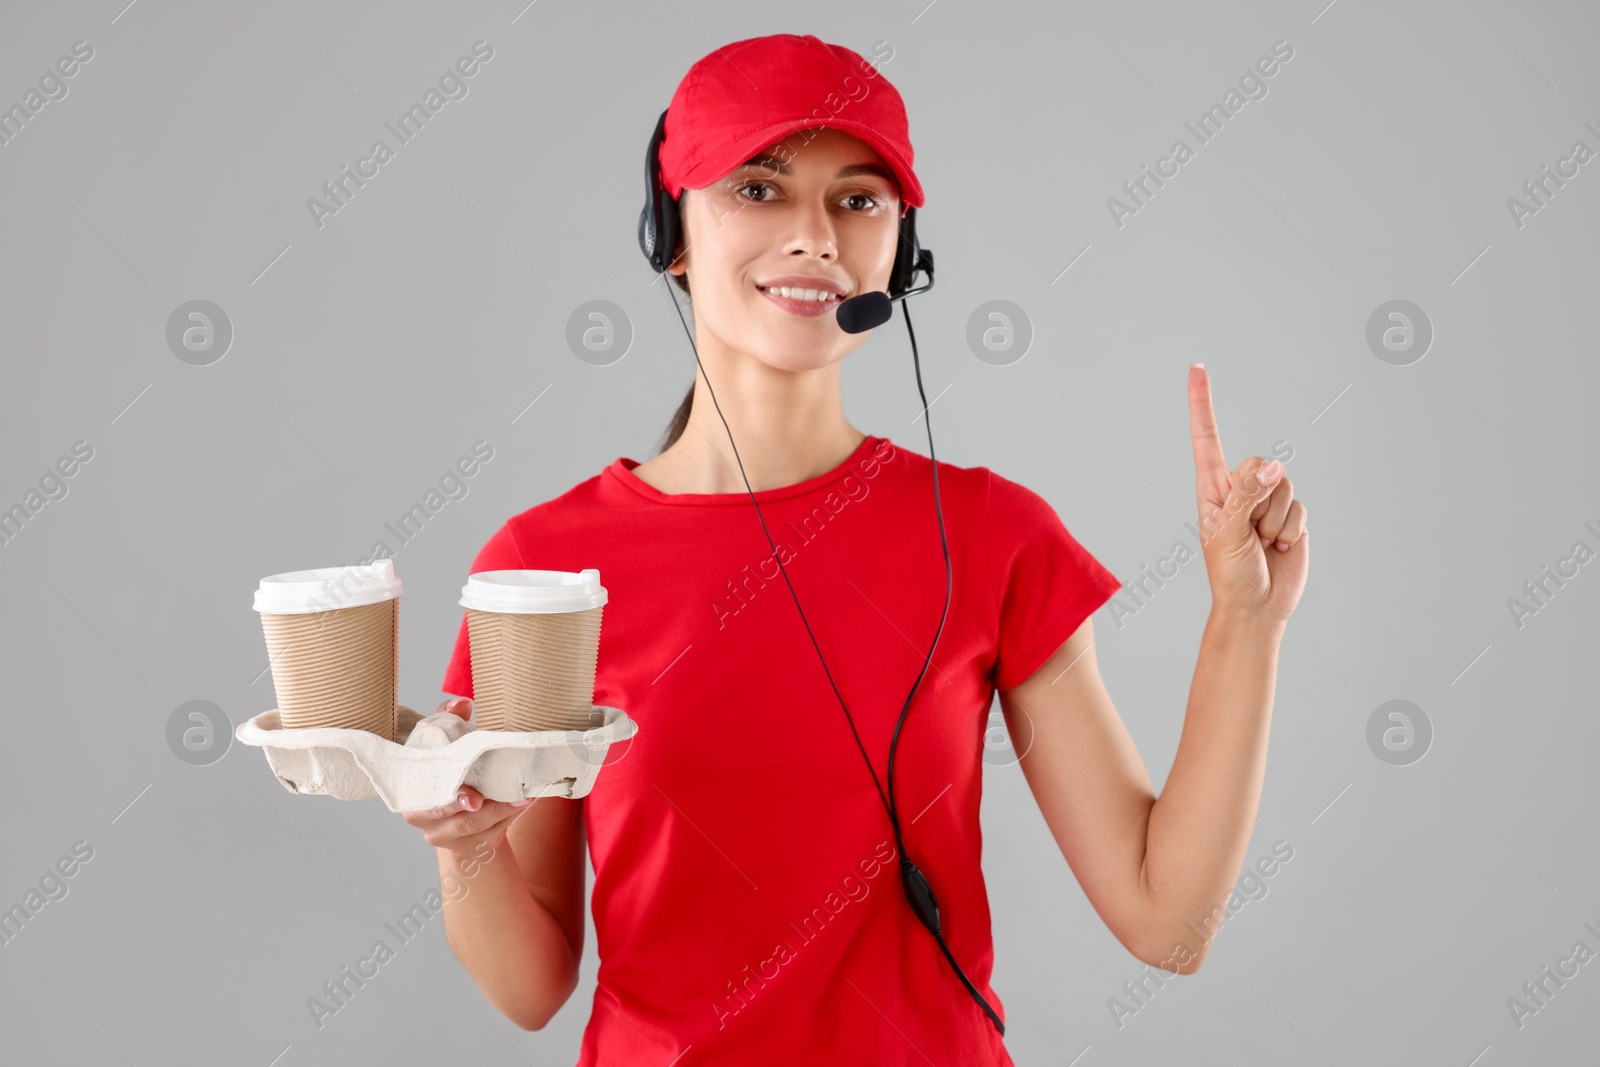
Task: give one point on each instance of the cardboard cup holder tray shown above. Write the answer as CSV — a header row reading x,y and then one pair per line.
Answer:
x,y
434,755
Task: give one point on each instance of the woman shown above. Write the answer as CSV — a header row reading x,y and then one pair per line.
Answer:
x,y
747,903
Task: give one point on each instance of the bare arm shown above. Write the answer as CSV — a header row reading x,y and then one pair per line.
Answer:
x,y
1159,870
518,929
1200,826
1151,865
513,882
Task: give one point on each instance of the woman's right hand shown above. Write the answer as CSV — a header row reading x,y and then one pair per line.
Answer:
x,y
460,827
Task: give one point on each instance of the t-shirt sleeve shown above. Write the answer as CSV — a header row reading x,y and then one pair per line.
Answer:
x,y
1045,583
503,552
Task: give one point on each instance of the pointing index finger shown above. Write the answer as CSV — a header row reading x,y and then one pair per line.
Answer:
x,y
1209,464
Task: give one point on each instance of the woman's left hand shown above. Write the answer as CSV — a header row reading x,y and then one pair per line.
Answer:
x,y
1253,532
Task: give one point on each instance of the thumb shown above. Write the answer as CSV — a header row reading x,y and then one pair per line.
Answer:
x,y
1248,490
459,705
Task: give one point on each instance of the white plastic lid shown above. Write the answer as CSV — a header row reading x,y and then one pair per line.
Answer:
x,y
533,592
327,588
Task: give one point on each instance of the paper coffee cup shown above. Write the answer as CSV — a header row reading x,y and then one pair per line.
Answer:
x,y
535,643
333,636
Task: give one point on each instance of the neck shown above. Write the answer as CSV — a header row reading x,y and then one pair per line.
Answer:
x,y
789,426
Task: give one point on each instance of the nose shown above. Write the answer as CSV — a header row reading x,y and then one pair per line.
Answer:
x,y
812,232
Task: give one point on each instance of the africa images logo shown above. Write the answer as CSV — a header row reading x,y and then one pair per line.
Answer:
x,y
1212,121
810,928
452,86
811,527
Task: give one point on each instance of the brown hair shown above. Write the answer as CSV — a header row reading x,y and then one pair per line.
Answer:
x,y
680,418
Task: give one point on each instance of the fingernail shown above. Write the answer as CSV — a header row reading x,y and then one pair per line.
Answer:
x,y
1202,366
1281,546
461,798
1268,471
524,802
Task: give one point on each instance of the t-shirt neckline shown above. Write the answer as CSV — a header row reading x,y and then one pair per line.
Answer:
x,y
621,469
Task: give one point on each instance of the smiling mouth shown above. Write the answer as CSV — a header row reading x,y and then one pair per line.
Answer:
x,y
810,296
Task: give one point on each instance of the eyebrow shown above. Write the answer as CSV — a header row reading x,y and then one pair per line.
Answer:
x,y
779,166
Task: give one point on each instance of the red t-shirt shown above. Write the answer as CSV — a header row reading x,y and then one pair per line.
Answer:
x,y
747,899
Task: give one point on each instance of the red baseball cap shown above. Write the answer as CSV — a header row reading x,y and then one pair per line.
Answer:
x,y
750,94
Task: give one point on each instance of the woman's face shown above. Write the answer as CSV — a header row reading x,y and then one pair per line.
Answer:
x,y
819,204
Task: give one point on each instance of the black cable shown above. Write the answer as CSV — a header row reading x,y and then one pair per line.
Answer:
x,y
915,884
776,555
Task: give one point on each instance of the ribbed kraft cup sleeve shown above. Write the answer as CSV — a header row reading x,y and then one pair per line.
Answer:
x,y
337,668
534,671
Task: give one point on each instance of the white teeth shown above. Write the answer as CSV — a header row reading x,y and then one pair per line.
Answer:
x,y
815,295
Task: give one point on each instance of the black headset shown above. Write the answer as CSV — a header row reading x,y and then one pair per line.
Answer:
x,y
660,226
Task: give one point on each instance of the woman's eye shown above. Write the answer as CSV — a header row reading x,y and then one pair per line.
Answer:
x,y
868,201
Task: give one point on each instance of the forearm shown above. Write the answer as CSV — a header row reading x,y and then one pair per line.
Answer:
x,y
1199,827
510,943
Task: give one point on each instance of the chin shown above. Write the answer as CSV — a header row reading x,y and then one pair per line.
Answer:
x,y
796,354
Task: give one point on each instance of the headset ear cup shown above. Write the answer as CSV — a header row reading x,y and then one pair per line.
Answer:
x,y
651,235
897,273
904,270
667,250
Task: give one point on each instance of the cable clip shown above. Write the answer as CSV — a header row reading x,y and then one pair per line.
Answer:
x,y
920,893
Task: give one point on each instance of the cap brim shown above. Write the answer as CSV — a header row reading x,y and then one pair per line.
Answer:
x,y
719,163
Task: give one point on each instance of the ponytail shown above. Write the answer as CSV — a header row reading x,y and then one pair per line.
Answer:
x,y
680,418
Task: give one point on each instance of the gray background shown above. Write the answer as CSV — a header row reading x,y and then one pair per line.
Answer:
x,y
430,313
